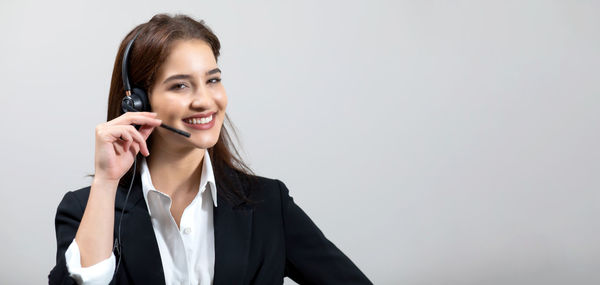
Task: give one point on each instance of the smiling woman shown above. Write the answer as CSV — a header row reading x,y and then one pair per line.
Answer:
x,y
193,212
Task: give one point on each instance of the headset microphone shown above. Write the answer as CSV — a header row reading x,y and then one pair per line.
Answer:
x,y
129,108
135,99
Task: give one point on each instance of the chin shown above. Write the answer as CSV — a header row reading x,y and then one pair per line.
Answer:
x,y
204,139
205,144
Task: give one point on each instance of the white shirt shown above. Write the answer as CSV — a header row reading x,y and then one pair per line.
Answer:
x,y
187,252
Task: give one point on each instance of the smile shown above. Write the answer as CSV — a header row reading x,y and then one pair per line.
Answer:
x,y
205,123
196,121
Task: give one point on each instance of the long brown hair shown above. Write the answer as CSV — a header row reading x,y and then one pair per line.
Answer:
x,y
148,53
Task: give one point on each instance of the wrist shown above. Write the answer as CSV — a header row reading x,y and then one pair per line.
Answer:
x,y
104,183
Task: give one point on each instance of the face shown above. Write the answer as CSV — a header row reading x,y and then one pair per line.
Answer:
x,y
188,95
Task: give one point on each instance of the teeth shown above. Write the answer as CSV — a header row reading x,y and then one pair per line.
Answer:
x,y
199,121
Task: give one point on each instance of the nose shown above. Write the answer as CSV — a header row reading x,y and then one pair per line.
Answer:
x,y
201,99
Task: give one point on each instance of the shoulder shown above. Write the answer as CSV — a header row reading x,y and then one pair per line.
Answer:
x,y
80,194
263,187
266,183
249,183
75,199
262,192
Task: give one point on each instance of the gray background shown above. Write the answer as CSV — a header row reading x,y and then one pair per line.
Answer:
x,y
434,142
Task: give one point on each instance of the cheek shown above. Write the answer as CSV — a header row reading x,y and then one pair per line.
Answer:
x,y
166,107
155,102
222,101
222,105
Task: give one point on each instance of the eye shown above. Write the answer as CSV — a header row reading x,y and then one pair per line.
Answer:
x,y
178,86
214,80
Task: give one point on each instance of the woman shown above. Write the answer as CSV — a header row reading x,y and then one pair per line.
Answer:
x,y
187,210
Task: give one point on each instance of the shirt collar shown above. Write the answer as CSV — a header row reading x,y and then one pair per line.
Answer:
x,y
207,179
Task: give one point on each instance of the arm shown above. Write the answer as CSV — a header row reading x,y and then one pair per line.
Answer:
x,y
67,219
117,144
95,233
68,269
310,257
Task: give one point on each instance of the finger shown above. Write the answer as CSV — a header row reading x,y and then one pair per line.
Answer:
x,y
136,118
118,149
143,121
114,133
127,140
121,144
134,149
146,131
139,140
126,136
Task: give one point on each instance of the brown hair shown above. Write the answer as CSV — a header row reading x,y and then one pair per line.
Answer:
x,y
148,53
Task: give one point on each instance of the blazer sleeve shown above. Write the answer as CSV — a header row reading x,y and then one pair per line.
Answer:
x,y
310,257
68,217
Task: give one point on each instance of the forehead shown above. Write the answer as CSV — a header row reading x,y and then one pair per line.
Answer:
x,y
193,57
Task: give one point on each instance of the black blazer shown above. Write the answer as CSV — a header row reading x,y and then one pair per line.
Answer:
x,y
256,243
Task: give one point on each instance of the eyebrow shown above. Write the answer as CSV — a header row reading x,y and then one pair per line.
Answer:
x,y
213,71
187,76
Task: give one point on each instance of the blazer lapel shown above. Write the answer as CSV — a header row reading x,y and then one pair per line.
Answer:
x,y
232,225
140,254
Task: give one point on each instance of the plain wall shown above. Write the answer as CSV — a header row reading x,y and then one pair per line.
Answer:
x,y
434,142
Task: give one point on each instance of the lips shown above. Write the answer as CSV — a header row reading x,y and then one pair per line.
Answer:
x,y
200,115
197,125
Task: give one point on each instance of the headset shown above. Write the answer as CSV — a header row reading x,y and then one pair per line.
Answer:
x,y
135,100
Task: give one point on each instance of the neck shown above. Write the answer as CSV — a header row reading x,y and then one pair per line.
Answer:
x,y
176,171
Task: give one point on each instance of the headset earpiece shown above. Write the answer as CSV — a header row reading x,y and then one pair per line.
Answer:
x,y
143,104
136,102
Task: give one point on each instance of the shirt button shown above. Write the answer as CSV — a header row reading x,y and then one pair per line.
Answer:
x,y
187,231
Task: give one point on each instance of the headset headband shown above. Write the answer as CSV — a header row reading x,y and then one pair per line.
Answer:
x,y
124,73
